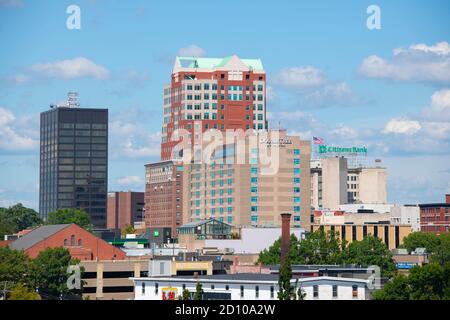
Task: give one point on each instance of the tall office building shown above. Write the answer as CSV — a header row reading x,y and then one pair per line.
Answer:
x,y
215,93
204,93
74,160
248,193
164,195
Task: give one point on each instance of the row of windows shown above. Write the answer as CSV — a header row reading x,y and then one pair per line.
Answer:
x,y
335,291
72,242
231,97
82,126
207,86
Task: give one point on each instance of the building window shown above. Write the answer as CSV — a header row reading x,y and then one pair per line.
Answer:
x,y
397,236
257,292
212,287
335,291
227,287
386,236
272,292
354,233
156,288
143,288
72,240
242,291
316,291
80,242
65,242
355,291
184,287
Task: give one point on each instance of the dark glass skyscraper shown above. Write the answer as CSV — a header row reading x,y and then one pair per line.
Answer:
x,y
74,161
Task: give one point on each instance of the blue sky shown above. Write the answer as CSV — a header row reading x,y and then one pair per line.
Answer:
x,y
329,76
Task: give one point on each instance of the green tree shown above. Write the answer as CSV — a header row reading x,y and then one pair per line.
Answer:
x,y
272,255
427,282
397,289
21,292
6,225
370,251
284,281
65,216
23,217
320,248
441,252
421,240
14,266
49,271
17,218
128,230
185,295
198,295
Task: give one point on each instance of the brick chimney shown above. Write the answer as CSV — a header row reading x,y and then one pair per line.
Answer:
x,y
285,235
447,198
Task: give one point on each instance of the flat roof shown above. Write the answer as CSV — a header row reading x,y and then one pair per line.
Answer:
x,y
245,278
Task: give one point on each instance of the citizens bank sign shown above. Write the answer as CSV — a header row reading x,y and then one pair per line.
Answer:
x,y
333,149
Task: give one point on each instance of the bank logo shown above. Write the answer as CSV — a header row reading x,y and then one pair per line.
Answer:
x,y
322,149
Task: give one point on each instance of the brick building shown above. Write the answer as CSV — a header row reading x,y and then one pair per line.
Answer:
x,y
435,217
163,195
124,208
213,93
82,244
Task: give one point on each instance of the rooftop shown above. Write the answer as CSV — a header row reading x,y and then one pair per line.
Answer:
x,y
36,236
245,277
233,62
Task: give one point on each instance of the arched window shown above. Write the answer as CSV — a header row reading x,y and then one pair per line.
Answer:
x,y
72,240
80,242
65,242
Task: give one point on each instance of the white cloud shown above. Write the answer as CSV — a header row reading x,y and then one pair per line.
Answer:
x,y
332,94
12,136
419,62
130,181
344,131
300,78
71,69
314,86
402,126
191,50
271,95
439,110
130,138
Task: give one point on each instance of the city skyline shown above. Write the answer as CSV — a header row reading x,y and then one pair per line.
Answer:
x,y
327,75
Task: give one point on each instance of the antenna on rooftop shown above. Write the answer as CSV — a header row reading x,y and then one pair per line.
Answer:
x,y
72,99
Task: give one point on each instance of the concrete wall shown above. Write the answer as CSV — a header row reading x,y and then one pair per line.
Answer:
x,y
334,182
324,285
372,185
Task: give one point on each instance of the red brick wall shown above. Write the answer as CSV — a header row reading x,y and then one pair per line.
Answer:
x,y
91,248
122,208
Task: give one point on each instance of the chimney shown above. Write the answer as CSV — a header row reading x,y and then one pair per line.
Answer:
x,y
285,235
447,198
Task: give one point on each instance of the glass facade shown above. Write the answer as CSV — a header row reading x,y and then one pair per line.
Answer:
x,y
74,161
